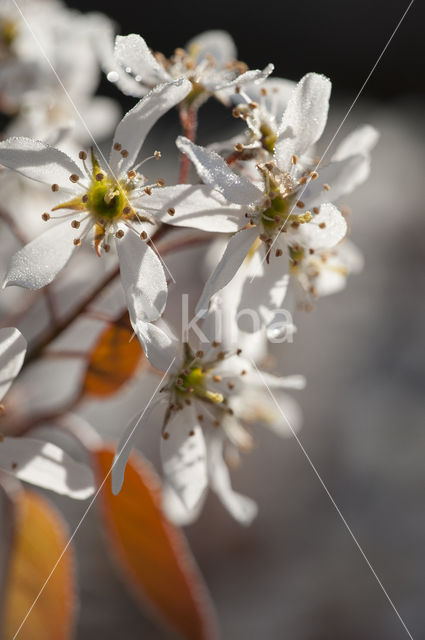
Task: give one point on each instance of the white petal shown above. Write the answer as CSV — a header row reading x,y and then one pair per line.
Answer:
x,y
233,256
361,140
176,511
136,124
46,465
198,207
12,353
311,235
126,445
161,349
242,508
38,263
264,292
253,75
343,176
184,457
142,278
215,173
38,161
132,52
304,118
216,43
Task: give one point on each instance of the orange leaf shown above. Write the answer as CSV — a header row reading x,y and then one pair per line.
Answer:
x,y
153,555
40,538
113,360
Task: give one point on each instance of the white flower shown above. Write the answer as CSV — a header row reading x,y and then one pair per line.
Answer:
x,y
40,463
104,199
210,398
323,273
208,61
49,109
261,108
287,204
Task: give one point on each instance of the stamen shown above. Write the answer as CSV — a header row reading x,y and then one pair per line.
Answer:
x,y
55,187
77,242
326,187
75,224
294,159
124,153
117,146
45,216
99,177
131,174
160,182
74,178
119,234
143,235
82,155
171,211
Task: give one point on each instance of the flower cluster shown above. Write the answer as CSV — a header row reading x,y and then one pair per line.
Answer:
x,y
267,202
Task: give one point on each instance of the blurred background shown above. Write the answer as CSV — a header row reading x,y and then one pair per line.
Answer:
x,y
296,572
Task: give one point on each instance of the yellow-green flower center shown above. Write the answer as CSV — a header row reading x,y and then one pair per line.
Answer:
x,y
106,198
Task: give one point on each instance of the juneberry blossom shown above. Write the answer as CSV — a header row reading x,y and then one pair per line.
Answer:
x,y
211,396
288,205
208,61
103,200
40,463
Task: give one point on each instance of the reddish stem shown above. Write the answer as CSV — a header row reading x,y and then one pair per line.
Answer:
x,y
189,123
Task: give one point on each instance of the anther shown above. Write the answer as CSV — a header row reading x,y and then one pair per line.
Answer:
x,y
316,210
199,354
82,155
243,372
221,355
263,92
126,210
235,112
157,155
237,89
302,180
106,248
119,234
217,378
160,182
124,153
75,224
85,198
215,343
131,174
278,253
74,178
171,211
322,225
117,146
200,417
294,159
55,187
191,432
45,217
314,175
143,235
99,177
300,204
253,105
148,191
311,251
238,147
238,352
165,435
326,187
231,385
77,242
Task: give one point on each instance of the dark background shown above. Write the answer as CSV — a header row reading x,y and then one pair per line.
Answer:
x,y
341,39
